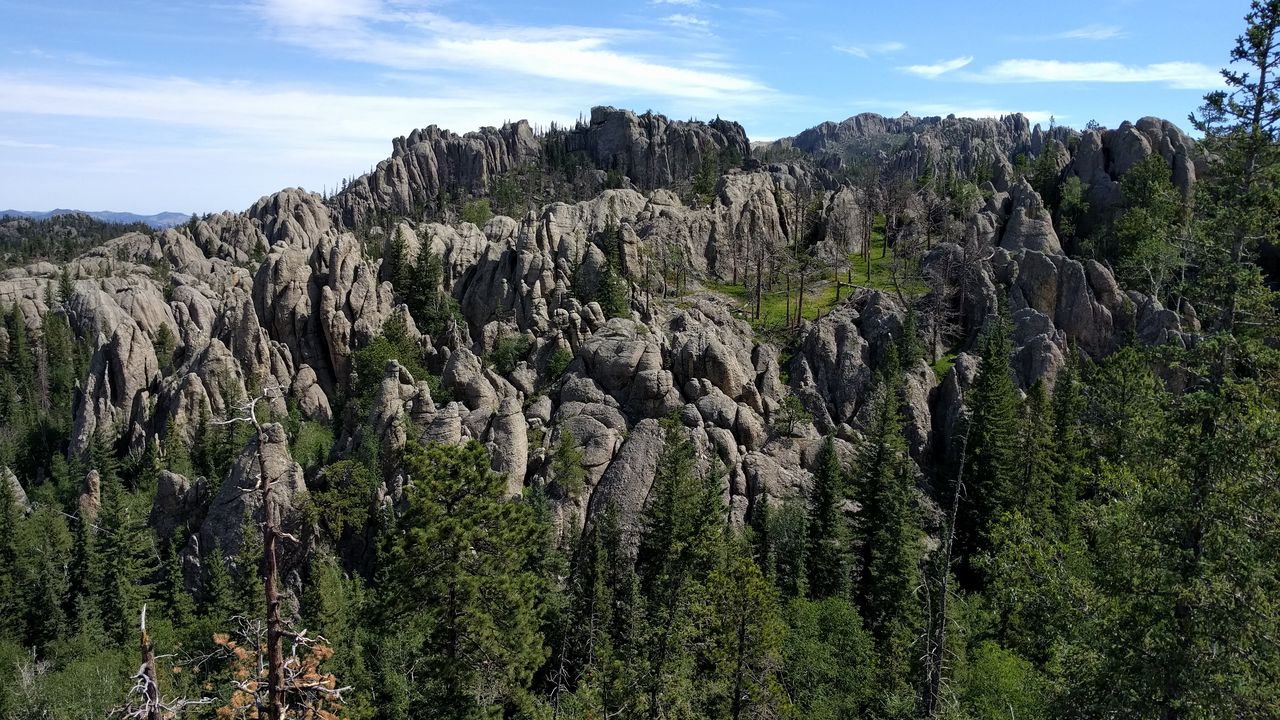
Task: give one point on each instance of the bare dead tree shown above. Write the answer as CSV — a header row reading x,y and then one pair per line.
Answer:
x,y
144,701
316,694
936,644
271,536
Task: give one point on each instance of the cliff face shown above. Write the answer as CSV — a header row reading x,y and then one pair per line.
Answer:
x,y
282,295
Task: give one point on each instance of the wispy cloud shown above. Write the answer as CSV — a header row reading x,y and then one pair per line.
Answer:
x,y
686,21
866,51
939,68
685,3
1178,75
1092,32
370,31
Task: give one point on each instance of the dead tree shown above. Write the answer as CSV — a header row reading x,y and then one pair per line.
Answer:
x,y
936,642
271,537
144,701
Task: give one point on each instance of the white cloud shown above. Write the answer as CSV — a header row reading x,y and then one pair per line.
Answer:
x,y
1092,32
939,68
689,21
1178,75
686,3
866,51
237,140
373,32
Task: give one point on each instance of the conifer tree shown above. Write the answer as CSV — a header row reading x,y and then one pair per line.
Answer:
x,y
10,591
46,547
890,538
744,647
123,547
827,551
682,529
991,469
461,583
1036,492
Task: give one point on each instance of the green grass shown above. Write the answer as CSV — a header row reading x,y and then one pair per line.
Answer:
x,y
943,364
882,267
818,299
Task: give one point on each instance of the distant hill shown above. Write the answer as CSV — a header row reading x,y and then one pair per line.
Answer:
x,y
158,221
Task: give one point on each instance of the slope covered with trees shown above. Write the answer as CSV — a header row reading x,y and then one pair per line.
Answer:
x,y
626,422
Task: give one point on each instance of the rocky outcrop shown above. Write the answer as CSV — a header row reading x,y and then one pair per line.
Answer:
x,y
236,511
649,149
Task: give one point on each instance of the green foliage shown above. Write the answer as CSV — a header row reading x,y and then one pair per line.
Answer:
x,y
507,352
1143,249
745,631
993,461
459,592
343,497
125,554
890,535
827,560
433,310
829,660
559,362
680,544
792,413
567,471
477,212
311,444
1000,685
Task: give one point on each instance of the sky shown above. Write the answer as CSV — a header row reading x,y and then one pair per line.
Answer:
x,y
168,105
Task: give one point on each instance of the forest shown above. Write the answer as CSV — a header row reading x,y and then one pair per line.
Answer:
x,y
1102,543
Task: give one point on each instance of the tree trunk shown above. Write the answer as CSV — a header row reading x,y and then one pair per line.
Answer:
x,y
149,668
270,572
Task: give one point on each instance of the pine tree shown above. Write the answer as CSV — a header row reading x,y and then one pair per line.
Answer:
x,y
461,579
682,531
218,604
1185,558
11,611
744,640
891,541
1068,407
991,469
1239,199
1036,493
47,552
827,551
124,549
178,604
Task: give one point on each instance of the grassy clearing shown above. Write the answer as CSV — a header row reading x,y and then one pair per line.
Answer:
x,y
819,298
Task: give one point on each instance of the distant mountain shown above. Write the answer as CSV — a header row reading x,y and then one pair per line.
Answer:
x,y
158,221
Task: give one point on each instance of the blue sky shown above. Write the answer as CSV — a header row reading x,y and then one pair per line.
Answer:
x,y
150,105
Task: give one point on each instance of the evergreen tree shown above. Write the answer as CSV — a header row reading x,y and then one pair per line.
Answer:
x,y
460,591
219,601
124,551
682,530
1186,561
10,591
1036,493
830,663
178,604
1240,198
991,469
827,551
891,542
744,649
1068,405
46,544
